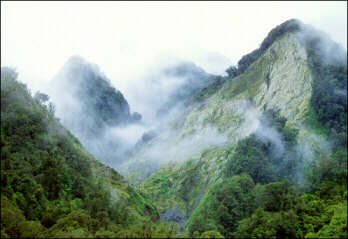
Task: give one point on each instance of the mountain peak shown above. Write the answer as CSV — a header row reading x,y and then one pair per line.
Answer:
x,y
292,25
88,90
76,59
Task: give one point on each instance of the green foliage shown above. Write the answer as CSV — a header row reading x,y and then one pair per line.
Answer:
x,y
11,218
306,216
51,216
282,212
250,158
211,234
277,196
291,25
311,120
327,172
226,203
104,234
337,227
329,97
51,187
232,71
263,159
31,229
285,213
264,224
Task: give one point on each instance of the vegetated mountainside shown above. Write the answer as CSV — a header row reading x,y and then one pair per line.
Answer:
x,y
259,153
171,86
278,164
229,106
88,105
50,185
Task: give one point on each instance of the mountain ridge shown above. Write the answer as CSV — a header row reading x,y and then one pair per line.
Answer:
x,y
280,79
48,179
261,152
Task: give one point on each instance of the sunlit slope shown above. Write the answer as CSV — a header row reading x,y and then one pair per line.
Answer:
x,y
280,79
183,185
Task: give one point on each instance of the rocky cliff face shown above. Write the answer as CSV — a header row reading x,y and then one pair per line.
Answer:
x,y
287,79
280,79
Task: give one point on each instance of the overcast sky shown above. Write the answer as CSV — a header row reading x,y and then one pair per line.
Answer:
x,y
127,38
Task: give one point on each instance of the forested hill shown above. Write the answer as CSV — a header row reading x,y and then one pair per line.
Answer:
x,y
276,162
259,153
51,187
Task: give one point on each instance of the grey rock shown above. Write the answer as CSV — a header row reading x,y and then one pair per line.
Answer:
x,y
174,215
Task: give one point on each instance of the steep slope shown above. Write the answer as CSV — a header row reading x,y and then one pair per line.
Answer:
x,y
83,83
280,78
260,153
88,105
48,180
163,89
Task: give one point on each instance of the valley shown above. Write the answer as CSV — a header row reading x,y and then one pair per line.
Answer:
x,y
259,152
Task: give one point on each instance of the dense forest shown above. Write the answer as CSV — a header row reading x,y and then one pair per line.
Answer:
x,y
51,187
260,195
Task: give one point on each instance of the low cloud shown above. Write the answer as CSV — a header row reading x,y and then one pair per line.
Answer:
x,y
330,51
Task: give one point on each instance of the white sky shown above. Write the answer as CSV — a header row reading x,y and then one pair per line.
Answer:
x,y
126,38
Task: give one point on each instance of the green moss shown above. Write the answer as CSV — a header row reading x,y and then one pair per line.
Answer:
x,y
312,121
185,184
49,178
142,205
250,81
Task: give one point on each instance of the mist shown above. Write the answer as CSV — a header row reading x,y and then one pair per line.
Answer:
x,y
126,38
259,125
172,145
135,52
163,86
328,50
93,109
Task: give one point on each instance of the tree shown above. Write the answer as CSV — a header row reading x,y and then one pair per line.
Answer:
x,y
232,71
227,203
277,196
41,97
211,234
51,108
250,157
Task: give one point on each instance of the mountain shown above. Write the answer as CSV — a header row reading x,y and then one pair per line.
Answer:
x,y
261,152
193,79
52,187
82,82
277,117
89,106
